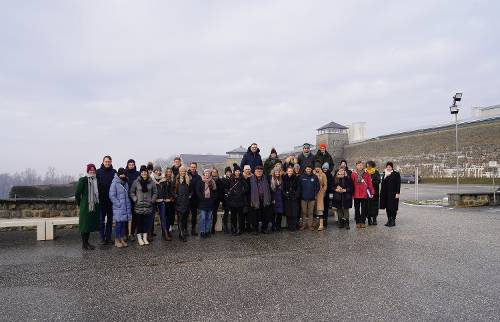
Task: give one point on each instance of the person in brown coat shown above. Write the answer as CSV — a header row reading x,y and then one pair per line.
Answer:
x,y
320,197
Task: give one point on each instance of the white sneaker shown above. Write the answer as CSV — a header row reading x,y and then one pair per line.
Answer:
x,y
139,240
145,239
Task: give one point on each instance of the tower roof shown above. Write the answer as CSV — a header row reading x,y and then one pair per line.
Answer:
x,y
239,149
332,125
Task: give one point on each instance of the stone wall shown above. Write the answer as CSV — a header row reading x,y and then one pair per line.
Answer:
x,y
433,150
43,208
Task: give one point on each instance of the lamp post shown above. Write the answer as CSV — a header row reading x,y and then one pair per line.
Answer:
x,y
454,111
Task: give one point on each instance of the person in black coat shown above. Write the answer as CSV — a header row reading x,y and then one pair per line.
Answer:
x,y
132,175
343,188
389,193
194,202
373,203
225,187
219,198
236,196
176,166
252,157
328,193
182,194
291,198
105,176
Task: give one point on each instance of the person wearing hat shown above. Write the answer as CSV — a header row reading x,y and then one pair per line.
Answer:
x,y
329,192
309,187
236,196
87,199
320,196
132,175
260,201
306,157
144,193
389,193
271,162
104,177
225,186
122,207
324,157
251,157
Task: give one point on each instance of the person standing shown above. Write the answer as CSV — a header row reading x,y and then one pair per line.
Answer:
x,y
363,190
176,166
247,174
144,193
132,175
87,199
157,177
225,186
260,201
194,201
328,194
324,157
271,162
373,203
165,204
182,194
342,197
218,198
320,196
290,161
389,193
306,157
309,187
343,164
251,157
122,207
236,196
291,198
277,198
104,177
206,192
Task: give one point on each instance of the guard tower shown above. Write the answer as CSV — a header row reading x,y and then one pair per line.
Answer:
x,y
335,136
235,156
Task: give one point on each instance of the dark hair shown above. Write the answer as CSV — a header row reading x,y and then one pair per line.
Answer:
x,y
390,164
107,157
371,164
358,162
196,164
177,158
253,144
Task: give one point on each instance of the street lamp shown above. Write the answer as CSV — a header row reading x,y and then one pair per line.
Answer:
x,y
454,111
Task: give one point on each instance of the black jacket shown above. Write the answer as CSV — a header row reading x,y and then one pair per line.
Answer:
x,y
252,159
182,193
291,187
326,157
166,190
205,203
236,192
104,179
343,200
391,185
195,179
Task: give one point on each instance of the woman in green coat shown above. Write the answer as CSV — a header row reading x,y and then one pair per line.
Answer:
x,y
87,198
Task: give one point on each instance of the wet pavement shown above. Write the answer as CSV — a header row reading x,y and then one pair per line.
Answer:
x,y
437,264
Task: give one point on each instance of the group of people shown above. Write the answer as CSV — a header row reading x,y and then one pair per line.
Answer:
x,y
255,196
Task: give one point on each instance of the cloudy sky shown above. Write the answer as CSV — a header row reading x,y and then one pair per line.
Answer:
x,y
149,79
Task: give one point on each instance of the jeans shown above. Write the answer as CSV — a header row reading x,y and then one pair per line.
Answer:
x,y
205,221
106,222
360,215
165,220
144,223
120,229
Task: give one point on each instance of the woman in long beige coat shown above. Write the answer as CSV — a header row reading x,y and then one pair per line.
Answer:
x,y
323,185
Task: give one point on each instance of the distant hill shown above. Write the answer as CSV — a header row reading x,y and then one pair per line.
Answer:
x,y
55,191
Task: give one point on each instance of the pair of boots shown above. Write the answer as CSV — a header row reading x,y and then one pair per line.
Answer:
x,y
85,242
142,239
321,226
372,221
120,243
166,234
391,222
344,223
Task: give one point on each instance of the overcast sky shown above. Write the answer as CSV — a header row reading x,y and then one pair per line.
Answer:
x,y
149,79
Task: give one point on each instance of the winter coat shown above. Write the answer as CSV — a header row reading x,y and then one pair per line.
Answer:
x,y
291,187
144,201
360,189
277,198
290,161
195,179
119,196
175,170
104,178
373,203
329,186
88,221
220,190
132,175
391,185
342,200
270,164
252,159
309,186
325,157
166,190
182,194
303,160
323,185
255,200
204,202
236,192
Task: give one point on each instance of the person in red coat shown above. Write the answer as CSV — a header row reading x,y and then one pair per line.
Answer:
x,y
363,189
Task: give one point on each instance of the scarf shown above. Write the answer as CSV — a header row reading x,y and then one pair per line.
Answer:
x,y
93,192
387,173
209,184
259,192
371,170
156,179
275,183
306,154
360,175
144,184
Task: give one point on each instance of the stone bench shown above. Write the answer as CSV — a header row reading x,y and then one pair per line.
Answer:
x,y
39,223
473,199
50,223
